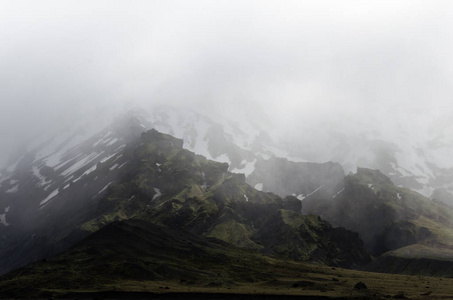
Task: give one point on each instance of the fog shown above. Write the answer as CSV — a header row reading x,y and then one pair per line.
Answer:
x,y
384,64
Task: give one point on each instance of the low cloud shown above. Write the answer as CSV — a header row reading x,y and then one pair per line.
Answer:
x,y
303,62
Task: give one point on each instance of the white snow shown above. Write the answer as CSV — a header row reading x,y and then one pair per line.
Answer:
x,y
314,191
245,167
339,192
259,186
66,186
107,158
118,157
223,158
69,178
104,188
399,196
14,189
13,181
119,149
51,195
60,145
42,179
81,163
103,139
122,165
113,167
301,197
371,186
93,168
112,141
3,219
246,198
157,194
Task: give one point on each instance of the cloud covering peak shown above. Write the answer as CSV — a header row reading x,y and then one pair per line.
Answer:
x,y
303,62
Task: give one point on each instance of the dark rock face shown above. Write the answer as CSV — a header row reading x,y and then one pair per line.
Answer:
x,y
386,217
162,183
309,238
292,203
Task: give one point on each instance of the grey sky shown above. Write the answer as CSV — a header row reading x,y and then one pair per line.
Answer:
x,y
302,61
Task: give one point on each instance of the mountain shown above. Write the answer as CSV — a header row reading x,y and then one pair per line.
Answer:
x,y
67,187
407,232
300,179
394,221
243,140
420,162
151,177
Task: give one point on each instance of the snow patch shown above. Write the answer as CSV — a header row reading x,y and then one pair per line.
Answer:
x,y
157,194
246,198
399,196
42,179
120,148
113,167
51,195
103,139
107,158
259,186
300,197
223,159
112,141
66,186
3,219
104,188
245,168
81,163
338,193
122,165
315,191
93,168
12,190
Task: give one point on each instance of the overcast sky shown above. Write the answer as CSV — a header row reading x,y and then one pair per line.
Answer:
x,y
302,61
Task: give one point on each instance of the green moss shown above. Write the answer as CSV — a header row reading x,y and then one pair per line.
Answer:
x,y
233,233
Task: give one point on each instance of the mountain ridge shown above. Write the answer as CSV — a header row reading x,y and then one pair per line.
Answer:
x,y
163,183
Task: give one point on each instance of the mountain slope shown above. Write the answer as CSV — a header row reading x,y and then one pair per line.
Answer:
x,y
389,218
154,179
137,259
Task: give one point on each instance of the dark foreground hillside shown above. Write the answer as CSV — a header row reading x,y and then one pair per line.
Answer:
x,y
136,259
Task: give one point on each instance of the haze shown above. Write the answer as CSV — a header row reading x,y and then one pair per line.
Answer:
x,y
377,64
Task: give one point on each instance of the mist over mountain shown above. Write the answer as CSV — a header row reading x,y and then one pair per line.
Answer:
x,y
317,73
228,127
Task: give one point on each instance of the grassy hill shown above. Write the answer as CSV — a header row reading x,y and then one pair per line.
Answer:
x,y
137,259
